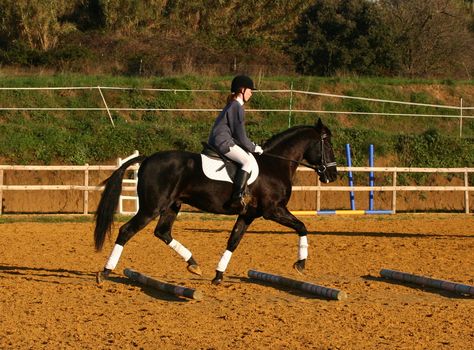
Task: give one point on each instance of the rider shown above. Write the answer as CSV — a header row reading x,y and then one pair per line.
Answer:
x,y
228,135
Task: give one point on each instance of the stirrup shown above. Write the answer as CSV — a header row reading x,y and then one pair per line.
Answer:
x,y
237,203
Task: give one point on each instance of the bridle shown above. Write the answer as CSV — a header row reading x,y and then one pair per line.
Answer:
x,y
320,169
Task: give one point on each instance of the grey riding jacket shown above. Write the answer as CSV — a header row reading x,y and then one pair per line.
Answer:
x,y
229,129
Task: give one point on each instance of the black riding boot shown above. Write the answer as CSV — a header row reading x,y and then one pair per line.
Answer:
x,y
240,181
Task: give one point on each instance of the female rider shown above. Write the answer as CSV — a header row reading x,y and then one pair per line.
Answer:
x,y
228,135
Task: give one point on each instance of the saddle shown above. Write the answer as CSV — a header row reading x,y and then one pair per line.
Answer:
x,y
217,166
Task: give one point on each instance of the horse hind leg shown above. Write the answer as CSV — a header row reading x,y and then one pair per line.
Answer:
x,y
126,232
163,232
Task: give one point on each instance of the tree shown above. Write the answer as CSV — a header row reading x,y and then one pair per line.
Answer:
x,y
247,21
343,35
35,22
129,16
431,36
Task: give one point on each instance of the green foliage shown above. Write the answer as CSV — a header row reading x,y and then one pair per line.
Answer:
x,y
431,149
250,22
78,137
5,219
335,36
157,37
127,16
34,22
22,54
431,36
360,139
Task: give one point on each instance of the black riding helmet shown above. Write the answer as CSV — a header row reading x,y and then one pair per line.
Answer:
x,y
241,81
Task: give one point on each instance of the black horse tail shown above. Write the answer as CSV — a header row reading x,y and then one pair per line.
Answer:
x,y
104,216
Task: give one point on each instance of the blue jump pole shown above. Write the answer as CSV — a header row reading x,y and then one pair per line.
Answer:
x,y
353,210
351,179
371,177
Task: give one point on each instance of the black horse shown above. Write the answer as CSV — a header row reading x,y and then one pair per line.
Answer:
x,y
168,179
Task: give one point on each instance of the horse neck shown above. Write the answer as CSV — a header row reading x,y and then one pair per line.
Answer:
x,y
292,144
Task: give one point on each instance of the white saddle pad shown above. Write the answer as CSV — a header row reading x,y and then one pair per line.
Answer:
x,y
215,170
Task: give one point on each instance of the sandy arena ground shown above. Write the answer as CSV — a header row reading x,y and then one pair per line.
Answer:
x,y
49,298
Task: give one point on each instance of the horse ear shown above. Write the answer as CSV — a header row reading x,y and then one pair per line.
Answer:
x,y
319,124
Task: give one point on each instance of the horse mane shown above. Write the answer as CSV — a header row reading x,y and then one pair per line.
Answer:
x,y
285,135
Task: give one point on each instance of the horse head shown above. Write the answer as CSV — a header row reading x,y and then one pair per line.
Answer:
x,y
320,154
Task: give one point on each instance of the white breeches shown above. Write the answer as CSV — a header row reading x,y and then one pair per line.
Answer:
x,y
239,155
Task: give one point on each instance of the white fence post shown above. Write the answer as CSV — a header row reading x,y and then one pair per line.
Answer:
x,y
1,191
466,194
318,195
394,193
106,106
86,191
133,181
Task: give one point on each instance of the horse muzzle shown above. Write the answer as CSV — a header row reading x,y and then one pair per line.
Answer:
x,y
327,172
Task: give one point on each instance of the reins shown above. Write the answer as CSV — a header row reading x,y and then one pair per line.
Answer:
x,y
318,168
314,167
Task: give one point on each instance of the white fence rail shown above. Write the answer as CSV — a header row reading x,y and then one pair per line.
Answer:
x,y
460,111
394,188
86,187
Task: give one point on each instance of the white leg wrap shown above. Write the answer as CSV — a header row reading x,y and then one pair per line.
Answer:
x,y
222,265
114,257
303,247
180,249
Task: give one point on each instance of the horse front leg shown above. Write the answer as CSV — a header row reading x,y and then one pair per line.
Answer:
x,y
283,216
240,226
163,232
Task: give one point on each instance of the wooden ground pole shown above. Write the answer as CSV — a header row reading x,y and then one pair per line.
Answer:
x,y
162,286
315,289
427,281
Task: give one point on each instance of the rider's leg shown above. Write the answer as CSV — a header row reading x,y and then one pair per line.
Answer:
x,y
238,190
237,154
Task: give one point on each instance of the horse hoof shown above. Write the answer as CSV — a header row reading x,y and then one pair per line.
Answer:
x,y
299,266
101,276
216,281
195,269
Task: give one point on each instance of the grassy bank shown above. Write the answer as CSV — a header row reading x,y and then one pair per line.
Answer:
x,y
78,137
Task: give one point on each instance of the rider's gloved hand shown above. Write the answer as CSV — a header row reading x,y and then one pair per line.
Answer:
x,y
258,149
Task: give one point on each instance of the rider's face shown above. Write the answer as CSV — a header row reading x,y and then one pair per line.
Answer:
x,y
247,94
